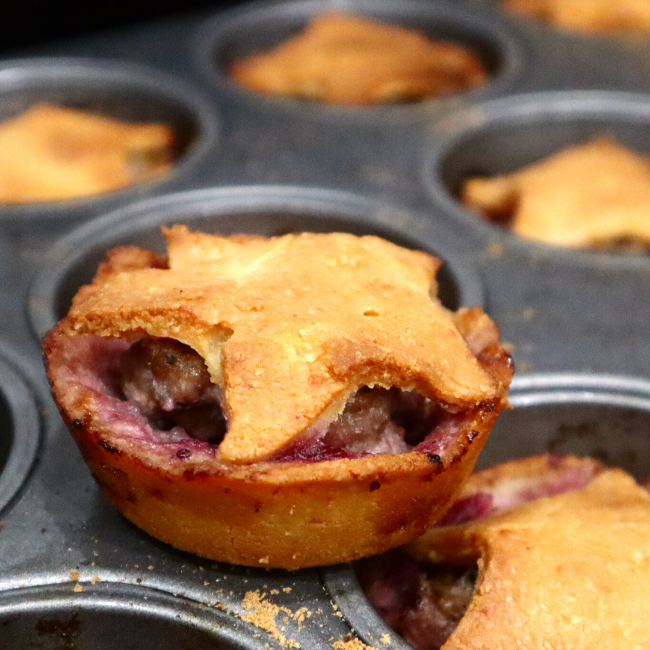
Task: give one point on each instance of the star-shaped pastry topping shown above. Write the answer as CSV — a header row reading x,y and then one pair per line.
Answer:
x,y
568,571
290,327
589,194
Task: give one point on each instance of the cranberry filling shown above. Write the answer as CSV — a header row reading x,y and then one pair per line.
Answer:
x,y
559,478
423,603
467,509
167,385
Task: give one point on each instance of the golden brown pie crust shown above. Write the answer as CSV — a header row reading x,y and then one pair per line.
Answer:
x,y
346,59
588,195
590,16
51,153
568,571
289,327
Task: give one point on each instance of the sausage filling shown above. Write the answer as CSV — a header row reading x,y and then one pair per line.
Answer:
x,y
168,384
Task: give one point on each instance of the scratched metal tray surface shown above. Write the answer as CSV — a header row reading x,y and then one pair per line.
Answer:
x,y
73,572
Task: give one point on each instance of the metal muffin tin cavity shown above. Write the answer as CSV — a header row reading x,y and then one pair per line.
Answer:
x,y
603,416
117,90
20,426
108,616
258,27
503,135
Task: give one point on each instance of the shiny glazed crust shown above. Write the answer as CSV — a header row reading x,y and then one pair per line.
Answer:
x,y
567,571
259,512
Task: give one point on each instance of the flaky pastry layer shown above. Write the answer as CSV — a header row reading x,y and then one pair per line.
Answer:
x,y
587,195
347,59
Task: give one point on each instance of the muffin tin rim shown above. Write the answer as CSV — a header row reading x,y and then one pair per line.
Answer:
x,y
503,35
19,73
356,207
130,599
528,108
23,401
531,388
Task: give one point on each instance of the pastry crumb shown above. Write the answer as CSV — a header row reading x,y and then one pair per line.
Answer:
x,y
263,613
74,575
95,579
302,614
351,644
78,588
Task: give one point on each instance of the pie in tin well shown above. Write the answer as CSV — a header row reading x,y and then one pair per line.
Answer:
x,y
588,16
591,195
342,58
286,402
540,552
54,153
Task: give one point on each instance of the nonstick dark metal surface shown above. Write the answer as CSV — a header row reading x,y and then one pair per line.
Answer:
x,y
73,572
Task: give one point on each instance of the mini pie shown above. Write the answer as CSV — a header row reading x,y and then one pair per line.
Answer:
x,y
51,153
284,402
562,547
587,15
423,596
589,195
346,59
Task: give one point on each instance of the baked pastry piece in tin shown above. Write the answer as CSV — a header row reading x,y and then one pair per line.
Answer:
x,y
52,153
346,59
589,195
562,549
589,16
285,402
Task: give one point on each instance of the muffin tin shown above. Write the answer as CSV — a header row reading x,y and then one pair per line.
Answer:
x,y
73,572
